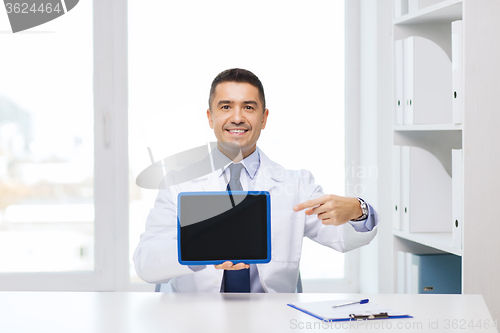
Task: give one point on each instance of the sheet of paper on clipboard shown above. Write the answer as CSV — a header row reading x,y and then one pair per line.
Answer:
x,y
326,311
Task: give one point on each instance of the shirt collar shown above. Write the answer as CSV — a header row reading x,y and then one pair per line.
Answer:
x,y
251,162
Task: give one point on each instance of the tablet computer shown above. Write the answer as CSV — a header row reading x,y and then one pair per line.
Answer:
x,y
214,227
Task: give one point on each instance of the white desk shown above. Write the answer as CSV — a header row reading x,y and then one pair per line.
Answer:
x,y
55,312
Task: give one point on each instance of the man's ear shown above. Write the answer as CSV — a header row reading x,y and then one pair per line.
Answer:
x,y
210,121
264,118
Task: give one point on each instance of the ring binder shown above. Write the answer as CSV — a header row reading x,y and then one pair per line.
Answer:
x,y
381,315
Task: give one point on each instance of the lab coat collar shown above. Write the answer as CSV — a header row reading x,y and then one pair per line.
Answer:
x,y
251,162
267,176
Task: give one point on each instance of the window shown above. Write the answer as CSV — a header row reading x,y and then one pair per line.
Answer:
x,y
62,152
296,49
47,147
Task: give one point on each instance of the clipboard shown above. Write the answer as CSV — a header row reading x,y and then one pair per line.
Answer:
x,y
326,311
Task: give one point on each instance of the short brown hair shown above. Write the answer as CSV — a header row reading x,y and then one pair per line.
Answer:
x,y
237,75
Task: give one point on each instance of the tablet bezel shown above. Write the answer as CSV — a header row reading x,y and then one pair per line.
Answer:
x,y
225,193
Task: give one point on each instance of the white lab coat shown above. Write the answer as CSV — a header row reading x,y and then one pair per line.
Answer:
x,y
156,255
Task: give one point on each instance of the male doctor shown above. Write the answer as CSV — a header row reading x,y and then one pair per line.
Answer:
x,y
237,113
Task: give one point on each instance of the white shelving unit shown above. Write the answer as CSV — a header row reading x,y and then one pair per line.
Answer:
x,y
477,135
377,130
434,24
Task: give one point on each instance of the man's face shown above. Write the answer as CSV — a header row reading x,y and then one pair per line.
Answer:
x,y
236,118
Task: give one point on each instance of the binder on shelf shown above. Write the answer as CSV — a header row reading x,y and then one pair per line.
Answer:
x,y
398,80
400,8
412,6
436,274
427,82
400,273
427,3
396,187
405,188
457,74
411,277
414,274
408,80
426,192
408,272
457,196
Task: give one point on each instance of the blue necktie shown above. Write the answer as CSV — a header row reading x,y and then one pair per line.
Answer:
x,y
236,281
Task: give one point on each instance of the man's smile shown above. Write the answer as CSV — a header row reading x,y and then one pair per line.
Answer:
x,y
237,131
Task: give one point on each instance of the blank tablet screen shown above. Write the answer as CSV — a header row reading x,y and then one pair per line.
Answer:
x,y
216,226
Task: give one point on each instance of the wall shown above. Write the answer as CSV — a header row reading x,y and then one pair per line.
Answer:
x,y
481,154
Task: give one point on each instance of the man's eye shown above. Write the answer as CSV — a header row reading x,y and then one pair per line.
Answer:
x,y
249,107
225,107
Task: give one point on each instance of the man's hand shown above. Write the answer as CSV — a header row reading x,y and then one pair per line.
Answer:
x,y
332,209
230,267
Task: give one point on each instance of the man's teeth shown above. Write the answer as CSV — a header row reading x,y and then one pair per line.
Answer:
x,y
237,131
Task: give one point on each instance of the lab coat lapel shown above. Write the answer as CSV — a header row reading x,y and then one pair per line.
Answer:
x,y
269,175
213,182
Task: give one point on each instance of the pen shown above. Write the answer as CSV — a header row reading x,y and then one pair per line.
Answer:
x,y
363,301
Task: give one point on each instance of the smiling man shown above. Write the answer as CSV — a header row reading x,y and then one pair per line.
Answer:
x,y
237,113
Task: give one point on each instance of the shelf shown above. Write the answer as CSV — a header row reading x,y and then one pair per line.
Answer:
x,y
428,127
439,140
443,12
441,241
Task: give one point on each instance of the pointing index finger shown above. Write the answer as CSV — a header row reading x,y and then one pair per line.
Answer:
x,y
309,204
